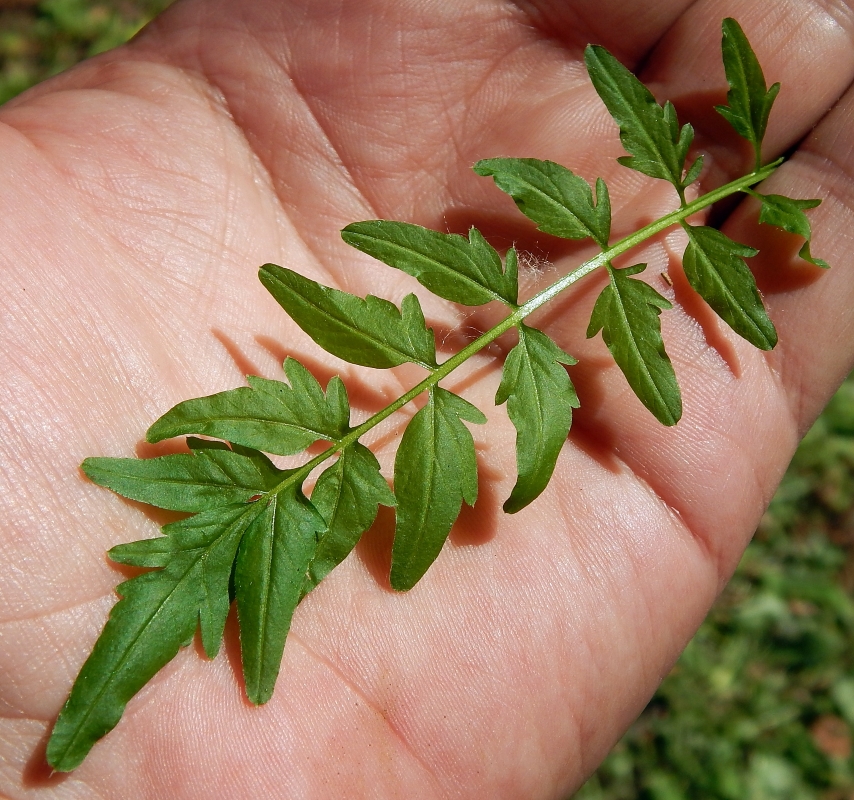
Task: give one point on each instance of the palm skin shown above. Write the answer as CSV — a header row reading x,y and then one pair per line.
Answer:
x,y
140,193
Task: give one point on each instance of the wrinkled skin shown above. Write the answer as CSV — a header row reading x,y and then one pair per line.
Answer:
x,y
141,191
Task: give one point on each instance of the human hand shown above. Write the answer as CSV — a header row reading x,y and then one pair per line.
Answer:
x,y
140,193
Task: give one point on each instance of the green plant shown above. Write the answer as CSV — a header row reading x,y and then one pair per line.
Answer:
x,y
254,535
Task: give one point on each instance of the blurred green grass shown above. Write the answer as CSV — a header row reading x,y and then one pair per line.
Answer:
x,y
761,704
38,40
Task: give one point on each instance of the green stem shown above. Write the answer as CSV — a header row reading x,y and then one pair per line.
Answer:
x,y
447,367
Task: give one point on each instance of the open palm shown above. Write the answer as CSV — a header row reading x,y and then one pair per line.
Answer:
x,y
140,193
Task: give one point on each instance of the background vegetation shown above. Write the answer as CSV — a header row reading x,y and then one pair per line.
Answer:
x,y
39,39
761,704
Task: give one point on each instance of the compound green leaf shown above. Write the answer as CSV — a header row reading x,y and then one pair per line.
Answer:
x,y
208,478
256,538
158,613
347,495
788,214
267,415
268,577
560,202
714,265
648,131
466,271
627,312
435,470
372,332
749,101
540,398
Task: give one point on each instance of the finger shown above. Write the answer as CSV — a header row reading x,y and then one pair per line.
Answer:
x,y
628,30
806,45
811,307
